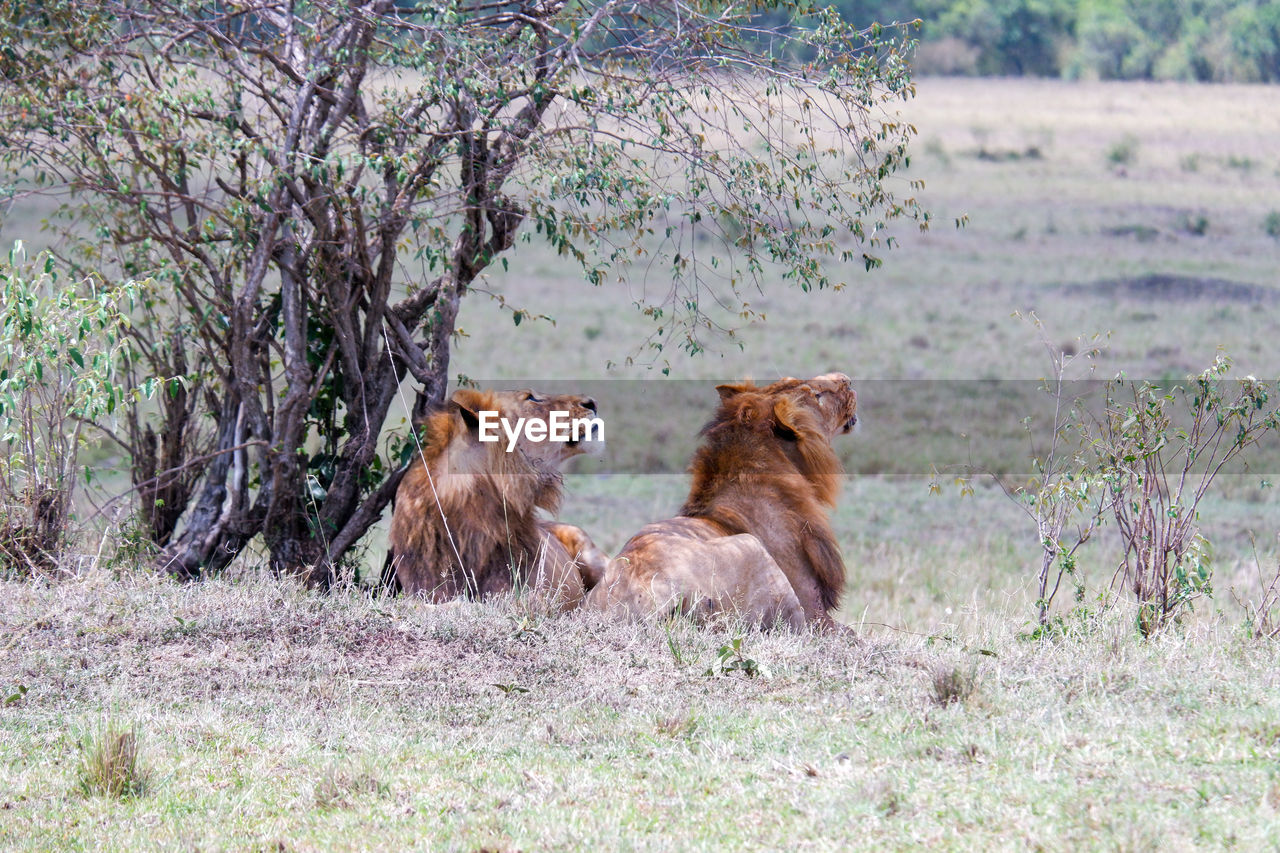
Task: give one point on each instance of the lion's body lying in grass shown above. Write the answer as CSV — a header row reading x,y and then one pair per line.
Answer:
x,y
466,513
753,539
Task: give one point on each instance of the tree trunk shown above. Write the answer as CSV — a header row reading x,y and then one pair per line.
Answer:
x,y
217,526
307,537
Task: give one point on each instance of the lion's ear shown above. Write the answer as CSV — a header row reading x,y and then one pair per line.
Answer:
x,y
728,392
792,418
468,403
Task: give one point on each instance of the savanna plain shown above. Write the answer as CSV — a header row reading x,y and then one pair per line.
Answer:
x,y
264,715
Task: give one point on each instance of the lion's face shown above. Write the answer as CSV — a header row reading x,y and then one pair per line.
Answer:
x,y
837,401
567,410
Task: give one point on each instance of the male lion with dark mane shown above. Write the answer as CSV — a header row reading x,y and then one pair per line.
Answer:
x,y
753,539
466,521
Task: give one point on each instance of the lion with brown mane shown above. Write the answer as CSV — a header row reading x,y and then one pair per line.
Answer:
x,y
753,539
466,522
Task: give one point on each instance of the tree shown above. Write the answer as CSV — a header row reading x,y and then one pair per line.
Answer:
x,y
1015,37
312,187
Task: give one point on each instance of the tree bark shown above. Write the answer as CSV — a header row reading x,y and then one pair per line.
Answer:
x,y
217,526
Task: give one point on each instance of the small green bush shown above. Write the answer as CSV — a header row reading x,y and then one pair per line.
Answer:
x,y
1196,224
59,342
1271,224
1123,152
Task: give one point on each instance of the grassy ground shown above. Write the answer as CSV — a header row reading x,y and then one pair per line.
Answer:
x,y
270,717
1051,232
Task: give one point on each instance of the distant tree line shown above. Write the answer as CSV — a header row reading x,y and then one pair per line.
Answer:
x,y
1206,40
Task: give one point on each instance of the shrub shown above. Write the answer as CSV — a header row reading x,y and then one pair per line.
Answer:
x,y
1064,499
1123,152
1262,611
1111,46
1195,224
58,344
1159,450
1271,224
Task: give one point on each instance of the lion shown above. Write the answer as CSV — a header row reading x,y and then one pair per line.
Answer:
x,y
465,521
753,539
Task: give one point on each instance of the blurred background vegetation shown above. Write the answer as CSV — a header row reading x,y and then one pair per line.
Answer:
x,y
1191,40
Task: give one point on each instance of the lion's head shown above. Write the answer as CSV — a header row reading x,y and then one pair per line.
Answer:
x,y
529,406
830,398
787,425
465,518
837,400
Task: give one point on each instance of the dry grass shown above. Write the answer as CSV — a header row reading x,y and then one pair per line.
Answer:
x,y
951,684
278,717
